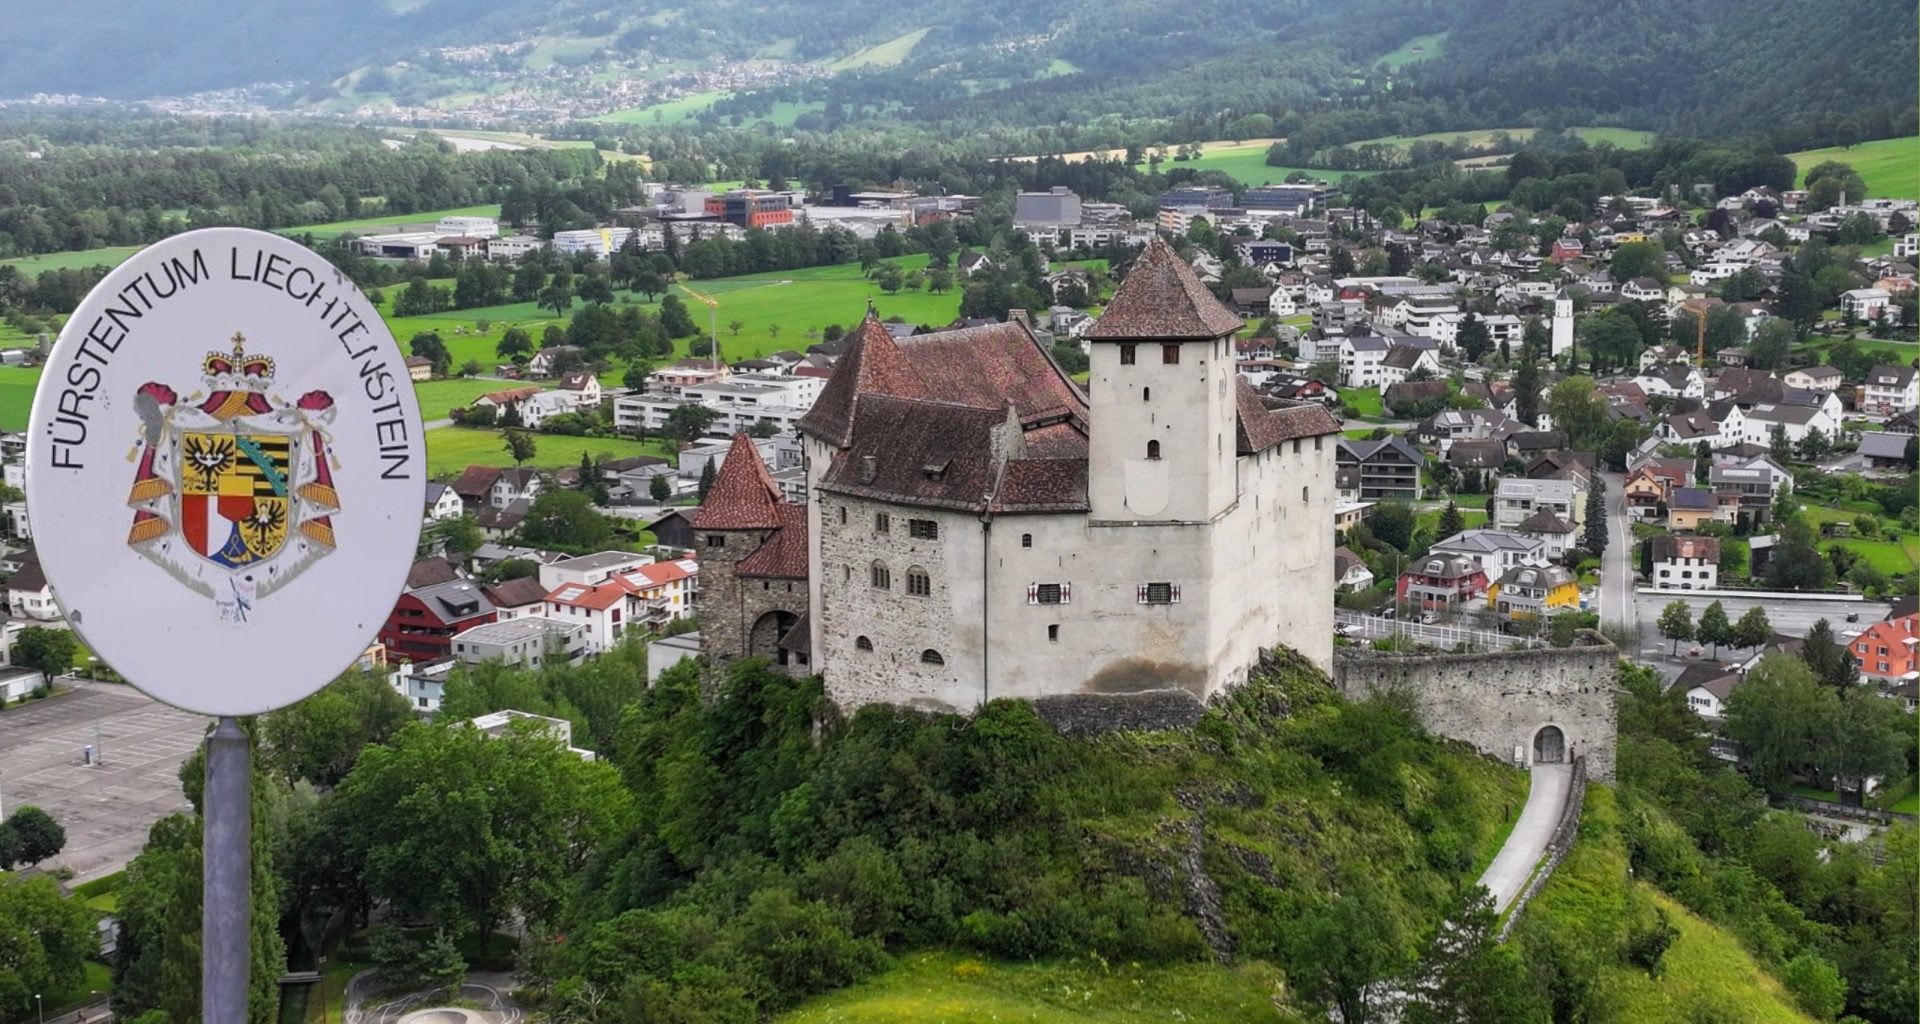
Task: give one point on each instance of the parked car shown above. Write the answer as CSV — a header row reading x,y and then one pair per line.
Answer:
x,y
1342,629
1427,618
1853,616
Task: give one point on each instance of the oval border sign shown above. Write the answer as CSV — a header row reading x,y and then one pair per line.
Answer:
x,y
226,471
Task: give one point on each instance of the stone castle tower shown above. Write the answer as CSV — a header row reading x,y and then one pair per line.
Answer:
x,y
752,545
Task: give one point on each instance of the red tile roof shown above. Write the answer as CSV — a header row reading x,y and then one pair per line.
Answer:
x,y
1261,427
600,596
516,593
743,496
476,481
784,555
872,365
1162,298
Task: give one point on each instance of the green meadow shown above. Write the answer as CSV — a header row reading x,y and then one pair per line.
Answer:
x,y
16,395
1890,167
886,54
392,222
1418,48
452,449
73,259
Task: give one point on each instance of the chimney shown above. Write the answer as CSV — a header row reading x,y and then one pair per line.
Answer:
x,y
869,468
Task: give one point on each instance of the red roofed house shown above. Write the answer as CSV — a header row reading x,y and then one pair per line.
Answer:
x,y
754,544
1886,651
423,621
979,528
1441,581
601,607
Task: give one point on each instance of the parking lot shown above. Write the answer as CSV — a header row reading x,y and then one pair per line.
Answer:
x,y
106,808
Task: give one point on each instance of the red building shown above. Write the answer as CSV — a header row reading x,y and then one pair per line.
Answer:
x,y
422,624
1441,581
752,207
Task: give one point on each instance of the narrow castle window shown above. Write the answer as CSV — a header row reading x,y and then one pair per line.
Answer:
x,y
931,657
1303,494
880,576
861,643
882,523
1170,355
923,529
1126,355
843,515
1146,394
1316,443
1053,634
1153,449
716,540
919,584
1026,540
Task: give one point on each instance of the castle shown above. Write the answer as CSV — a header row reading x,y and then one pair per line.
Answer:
x,y
979,527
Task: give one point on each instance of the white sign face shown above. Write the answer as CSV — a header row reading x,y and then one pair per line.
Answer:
x,y
226,471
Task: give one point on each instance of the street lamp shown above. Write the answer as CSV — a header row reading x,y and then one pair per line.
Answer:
x,y
42,1010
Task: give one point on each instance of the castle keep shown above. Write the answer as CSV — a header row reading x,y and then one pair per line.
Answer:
x,y
978,527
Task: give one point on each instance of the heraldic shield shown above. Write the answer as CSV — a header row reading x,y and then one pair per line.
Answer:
x,y
233,491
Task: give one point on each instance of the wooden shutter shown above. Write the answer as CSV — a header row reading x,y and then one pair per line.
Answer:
x,y
1033,593
1176,593
1140,594
1066,593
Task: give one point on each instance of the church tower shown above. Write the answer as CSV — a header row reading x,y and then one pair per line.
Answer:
x,y
1162,398
1562,323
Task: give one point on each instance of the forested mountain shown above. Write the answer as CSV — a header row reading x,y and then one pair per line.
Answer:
x,y
1067,72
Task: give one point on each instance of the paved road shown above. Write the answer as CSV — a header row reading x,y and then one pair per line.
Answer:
x,y
106,809
1616,564
1514,864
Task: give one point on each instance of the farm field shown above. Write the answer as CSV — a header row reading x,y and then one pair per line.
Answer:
x,y
391,222
777,310
452,449
886,54
437,397
682,109
1418,48
16,395
72,260
1891,552
1625,138
1890,167
942,988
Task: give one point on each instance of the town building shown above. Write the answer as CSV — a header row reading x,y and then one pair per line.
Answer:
x,y
1387,469
1890,390
1441,581
1683,563
424,620
529,641
1886,651
1494,551
977,527
1534,592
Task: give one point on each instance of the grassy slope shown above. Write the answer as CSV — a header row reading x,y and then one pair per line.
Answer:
x,y
682,109
1705,968
1890,167
452,449
1429,46
942,988
886,54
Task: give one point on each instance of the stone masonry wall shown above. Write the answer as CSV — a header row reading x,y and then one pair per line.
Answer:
x,y
1499,701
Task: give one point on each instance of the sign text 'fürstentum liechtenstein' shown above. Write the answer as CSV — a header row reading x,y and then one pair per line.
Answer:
x,y
226,470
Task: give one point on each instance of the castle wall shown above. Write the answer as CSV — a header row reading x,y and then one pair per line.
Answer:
x,y
723,608
1500,701
1188,408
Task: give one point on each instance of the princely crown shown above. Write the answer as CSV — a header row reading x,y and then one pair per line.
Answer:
x,y
257,371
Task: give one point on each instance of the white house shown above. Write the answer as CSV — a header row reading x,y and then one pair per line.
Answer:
x,y
422,685
528,641
1890,390
1494,551
1685,562
1516,499
1707,691
589,570
1282,303
512,485
1865,303
1402,361
1796,420
1361,359
1672,380
1814,378
442,503
28,596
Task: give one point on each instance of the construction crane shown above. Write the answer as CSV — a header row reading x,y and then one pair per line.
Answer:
x,y
713,320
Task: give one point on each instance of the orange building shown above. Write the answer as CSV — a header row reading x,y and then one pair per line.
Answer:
x,y
1886,651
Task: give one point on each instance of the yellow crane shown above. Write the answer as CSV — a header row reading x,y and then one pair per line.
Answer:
x,y
713,319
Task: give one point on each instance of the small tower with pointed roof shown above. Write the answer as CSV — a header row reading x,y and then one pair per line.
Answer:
x,y
752,545
1162,396
1562,323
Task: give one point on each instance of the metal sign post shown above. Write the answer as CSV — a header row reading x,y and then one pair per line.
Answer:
x,y
225,475
226,876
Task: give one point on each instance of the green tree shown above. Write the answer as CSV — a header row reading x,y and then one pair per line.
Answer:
x,y
659,489
455,826
706,480
514,345
520,445
1526,382
1340,948
1638,259
1474,339
37,835
1796,563
1865,736
1775,717
558,294
1753,629
427,345
566,519
48,938
1827,657
1779,446
1594,539
1392,523
688,422
1715,628
1578,411
1816,985
1676,623
1771,343
319,739
889,277
1451,521
458,537
675,318
49,652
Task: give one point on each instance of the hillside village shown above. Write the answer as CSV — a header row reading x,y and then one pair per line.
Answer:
x,y
1533,410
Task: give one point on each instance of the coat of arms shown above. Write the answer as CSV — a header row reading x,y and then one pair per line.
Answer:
x,y
233,494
